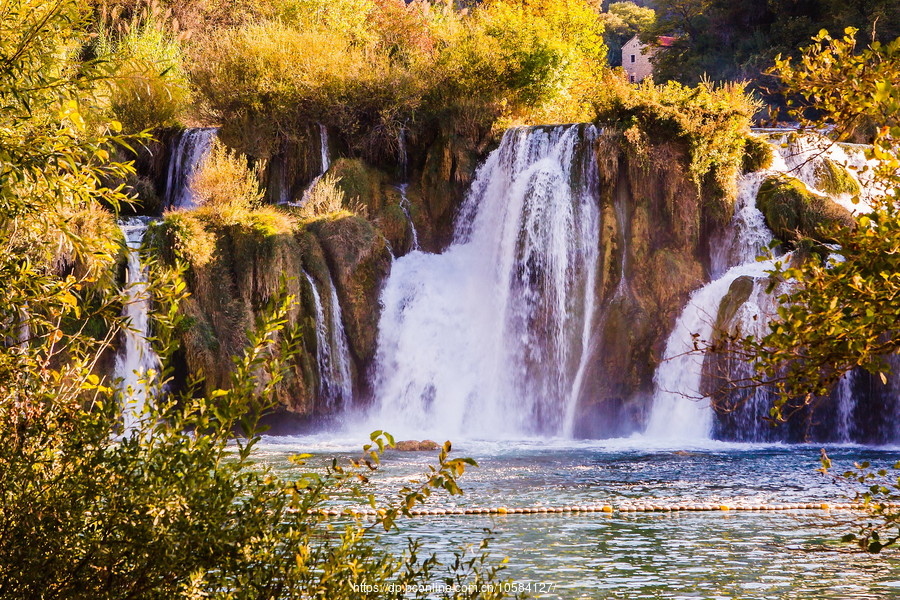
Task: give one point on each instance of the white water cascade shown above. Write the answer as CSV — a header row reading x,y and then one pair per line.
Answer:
x,y
324,165
404,204
332,351
679,409
136,359
189,149
488,338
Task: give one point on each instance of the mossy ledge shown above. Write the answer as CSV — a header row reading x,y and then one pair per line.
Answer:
x,y
235,267
835,179
794,212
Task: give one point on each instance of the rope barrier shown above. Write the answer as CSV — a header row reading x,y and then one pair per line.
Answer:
x,y
605,508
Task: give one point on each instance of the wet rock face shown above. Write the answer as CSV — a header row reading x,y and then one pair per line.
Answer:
x,y
359,262
653,254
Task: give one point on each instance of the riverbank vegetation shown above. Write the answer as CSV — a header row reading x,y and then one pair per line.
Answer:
x,y
171,504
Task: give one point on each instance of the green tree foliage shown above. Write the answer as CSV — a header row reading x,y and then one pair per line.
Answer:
x,y
624,21
174,507
841,313
727,40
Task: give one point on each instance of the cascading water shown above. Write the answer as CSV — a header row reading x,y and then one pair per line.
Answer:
x,y
136,359
404,204
332,352
188,151
680,409
488,338
402,157
323,149
324,165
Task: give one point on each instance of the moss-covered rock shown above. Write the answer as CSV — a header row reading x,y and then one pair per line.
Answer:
x,y
758,154
834,179
234,269
361,182
793,211
449,169
359,261
652,230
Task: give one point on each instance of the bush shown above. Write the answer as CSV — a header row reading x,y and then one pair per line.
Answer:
x,y
151,88
372,69
757,154
225,186
324,197
713,121
173,507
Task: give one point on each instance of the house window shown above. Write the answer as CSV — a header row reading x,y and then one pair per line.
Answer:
x,y
631,78
632,58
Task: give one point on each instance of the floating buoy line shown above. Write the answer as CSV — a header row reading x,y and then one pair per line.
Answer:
x,y
604,508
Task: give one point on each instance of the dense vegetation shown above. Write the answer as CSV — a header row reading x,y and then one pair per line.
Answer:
x,y
733,41
171,508
840,313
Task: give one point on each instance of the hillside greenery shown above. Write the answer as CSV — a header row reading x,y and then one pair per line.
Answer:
x,y
735,41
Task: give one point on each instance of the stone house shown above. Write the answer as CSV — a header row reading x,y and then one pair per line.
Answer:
x,y
636,57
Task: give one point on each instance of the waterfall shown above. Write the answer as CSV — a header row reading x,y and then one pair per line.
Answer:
x,y
802,155
846,405
332,351
136,358
680,410
323,150
489,338
189,149
747,235
402,158
324,165
404,204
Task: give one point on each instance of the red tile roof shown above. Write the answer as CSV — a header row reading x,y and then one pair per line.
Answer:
x,y
665,41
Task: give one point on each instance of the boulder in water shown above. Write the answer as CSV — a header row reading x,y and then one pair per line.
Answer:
x,y
416,446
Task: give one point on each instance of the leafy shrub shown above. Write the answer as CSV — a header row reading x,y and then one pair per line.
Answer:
x,y
324,197
757,154
713,121
151,87
372,69
174,507
225,185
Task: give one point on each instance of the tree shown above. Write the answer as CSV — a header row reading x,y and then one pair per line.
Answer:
x,y
842,313
624,21
175,506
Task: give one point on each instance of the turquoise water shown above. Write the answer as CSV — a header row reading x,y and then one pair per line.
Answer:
x,y
747,555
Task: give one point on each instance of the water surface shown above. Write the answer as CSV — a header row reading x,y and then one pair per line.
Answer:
x,y
748,555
